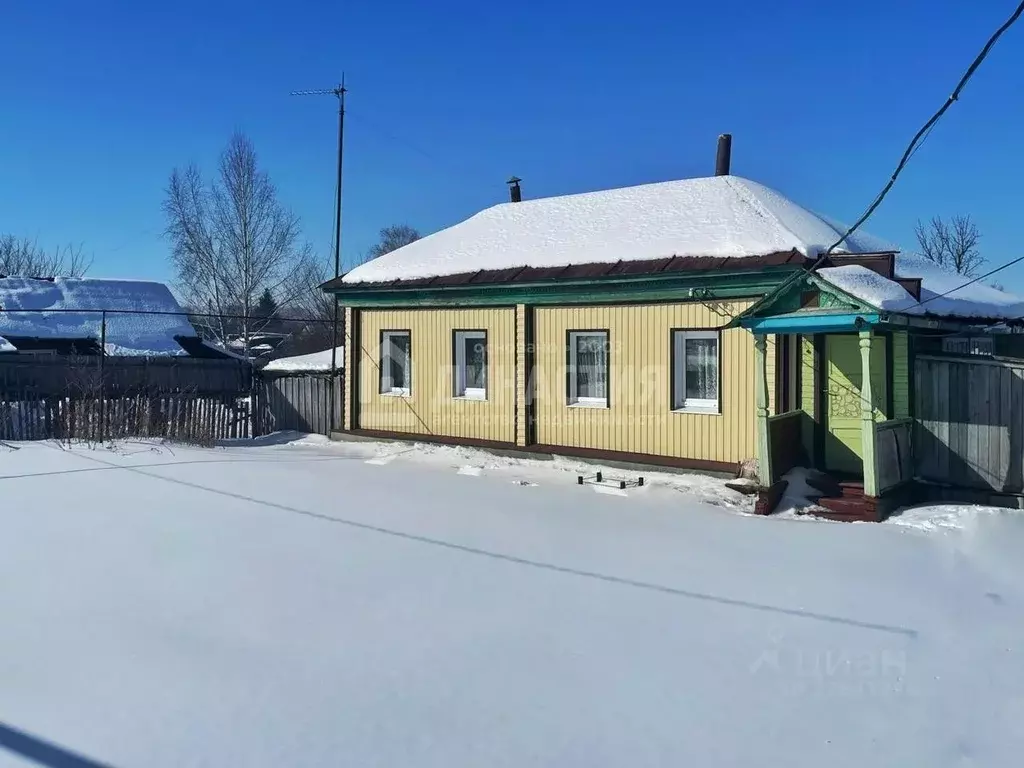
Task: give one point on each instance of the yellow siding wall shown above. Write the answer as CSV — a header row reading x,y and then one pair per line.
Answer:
x,y
430,408
639,419
900,376
807,362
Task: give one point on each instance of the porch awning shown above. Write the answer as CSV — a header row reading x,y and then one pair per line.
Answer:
x,y
810,322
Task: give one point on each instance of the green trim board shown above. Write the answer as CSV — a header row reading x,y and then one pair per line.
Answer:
x,y
677,286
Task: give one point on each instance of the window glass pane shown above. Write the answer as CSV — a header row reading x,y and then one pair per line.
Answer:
x,y
701,369
591,361
396,350
475,355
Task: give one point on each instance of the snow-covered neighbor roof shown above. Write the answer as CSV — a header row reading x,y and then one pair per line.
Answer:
x,y
126,334
6,346
720,216
971,301
315,361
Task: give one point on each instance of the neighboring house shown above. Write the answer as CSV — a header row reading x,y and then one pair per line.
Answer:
x,y
675,323
64,316
260,344
314,362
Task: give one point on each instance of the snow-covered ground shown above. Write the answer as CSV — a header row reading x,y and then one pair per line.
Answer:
x,y
307,604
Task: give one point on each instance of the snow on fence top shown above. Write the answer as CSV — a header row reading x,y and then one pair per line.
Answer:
x,y
126,334
720,216
314,361
976,300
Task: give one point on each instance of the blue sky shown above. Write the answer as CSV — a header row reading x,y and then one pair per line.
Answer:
x,y
99,101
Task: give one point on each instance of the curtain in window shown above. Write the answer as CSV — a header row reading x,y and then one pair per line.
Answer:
x,y
702,369
475,351
591,366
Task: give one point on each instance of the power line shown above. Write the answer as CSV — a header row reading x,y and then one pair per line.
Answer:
x,y
921,135
974,280
155,312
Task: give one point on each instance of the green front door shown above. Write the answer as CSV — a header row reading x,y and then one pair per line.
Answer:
x,y
843,377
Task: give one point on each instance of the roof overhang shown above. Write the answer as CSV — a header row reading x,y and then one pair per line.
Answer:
x,y
816,322
671,279
665,266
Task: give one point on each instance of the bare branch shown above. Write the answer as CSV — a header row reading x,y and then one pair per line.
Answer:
x,y
233,241
392,238
953,245
27,258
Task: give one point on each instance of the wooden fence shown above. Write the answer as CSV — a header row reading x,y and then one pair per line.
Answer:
x,y
969,429
185,399
893,453
94,398
785,443
299,401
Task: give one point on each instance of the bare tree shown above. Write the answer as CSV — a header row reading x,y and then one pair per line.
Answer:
x,y
953,245
392,238
232,240
24,257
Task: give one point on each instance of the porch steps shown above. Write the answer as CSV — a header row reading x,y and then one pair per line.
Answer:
x,y
844,500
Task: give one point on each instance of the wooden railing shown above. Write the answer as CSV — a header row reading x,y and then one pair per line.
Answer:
x,y
785,442
894,454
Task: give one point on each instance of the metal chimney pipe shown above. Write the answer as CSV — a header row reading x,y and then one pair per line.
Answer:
x,y
724,159
515,193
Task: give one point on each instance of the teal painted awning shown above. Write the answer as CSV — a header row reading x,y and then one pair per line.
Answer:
x,y
836,322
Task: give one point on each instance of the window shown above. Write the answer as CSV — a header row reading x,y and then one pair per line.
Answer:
x,y
469,357
695,371
587,369
395,362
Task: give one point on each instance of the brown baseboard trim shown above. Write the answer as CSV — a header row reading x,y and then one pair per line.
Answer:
x,y
440,439
591,454
637,458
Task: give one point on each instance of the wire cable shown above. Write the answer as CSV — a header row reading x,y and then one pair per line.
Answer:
x,y
922,134
973,280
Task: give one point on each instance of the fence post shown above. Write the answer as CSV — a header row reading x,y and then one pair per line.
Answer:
x,y
103,380
253,410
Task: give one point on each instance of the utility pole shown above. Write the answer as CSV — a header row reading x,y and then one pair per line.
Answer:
x,y
338,92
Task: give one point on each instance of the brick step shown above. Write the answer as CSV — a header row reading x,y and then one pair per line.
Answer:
x,y
847,509
831,488
851,490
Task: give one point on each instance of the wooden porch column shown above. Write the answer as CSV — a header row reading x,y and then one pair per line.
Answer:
x,y
350,407
867,414
764,461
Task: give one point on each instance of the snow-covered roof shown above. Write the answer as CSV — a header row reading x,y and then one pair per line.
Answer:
x,y
6,346
970,301
720,216
315,361
126,334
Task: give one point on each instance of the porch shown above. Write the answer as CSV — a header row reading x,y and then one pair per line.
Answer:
x,y
840,407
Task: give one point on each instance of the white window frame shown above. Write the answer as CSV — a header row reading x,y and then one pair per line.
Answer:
x,y
459,339
680,402
386,387
572,383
